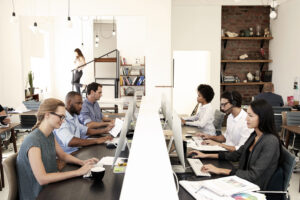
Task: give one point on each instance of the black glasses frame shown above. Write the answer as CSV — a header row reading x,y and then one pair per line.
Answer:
x,y
61,117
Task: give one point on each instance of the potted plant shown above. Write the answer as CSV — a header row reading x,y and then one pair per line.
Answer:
x,y
30,82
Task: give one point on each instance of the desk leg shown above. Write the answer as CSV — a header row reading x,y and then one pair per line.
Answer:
x,y
1,167
287,139
13,138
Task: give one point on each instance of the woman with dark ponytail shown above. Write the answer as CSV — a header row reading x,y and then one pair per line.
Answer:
x,y
260,156
36,161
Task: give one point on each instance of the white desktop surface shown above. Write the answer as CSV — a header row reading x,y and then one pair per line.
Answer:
x,y
149,172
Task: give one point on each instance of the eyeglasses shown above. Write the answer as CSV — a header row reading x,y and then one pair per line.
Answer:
x,y
224,104
61,117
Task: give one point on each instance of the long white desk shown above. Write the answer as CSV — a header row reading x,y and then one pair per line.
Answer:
x,y
149,172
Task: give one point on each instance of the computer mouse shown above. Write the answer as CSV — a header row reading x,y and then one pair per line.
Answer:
x,y
192,155
111,145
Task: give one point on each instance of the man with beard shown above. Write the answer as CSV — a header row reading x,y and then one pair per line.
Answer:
x,y
72,134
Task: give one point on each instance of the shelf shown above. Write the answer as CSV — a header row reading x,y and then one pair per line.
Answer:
x,y
241,83
131,85
260,84
131,75
246,61
130,65
247,38
106,60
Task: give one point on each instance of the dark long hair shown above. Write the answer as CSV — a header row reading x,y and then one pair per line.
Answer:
x,y
266,118
78,51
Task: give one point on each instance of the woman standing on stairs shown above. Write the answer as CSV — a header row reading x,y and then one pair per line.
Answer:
x,y
79,61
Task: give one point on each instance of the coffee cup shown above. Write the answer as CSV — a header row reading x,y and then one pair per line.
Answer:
x,y
98,173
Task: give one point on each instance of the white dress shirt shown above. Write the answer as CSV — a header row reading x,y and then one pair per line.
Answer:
x,y
237,131
203,119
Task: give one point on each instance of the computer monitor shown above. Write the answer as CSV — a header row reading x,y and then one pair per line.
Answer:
x,y
122,139
177,137
166,108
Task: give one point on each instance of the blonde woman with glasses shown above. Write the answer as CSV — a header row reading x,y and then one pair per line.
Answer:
x,y
36,161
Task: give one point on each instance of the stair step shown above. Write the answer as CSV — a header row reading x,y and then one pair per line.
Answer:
x,y
106,60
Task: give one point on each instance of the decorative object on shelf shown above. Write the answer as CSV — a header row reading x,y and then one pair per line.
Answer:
x,y
223,32
250,77
242,33
258,30
257,76
251,32
266,76
129,91
243,57
231,34
30,82
267,32
237,80
229,79
32,104
245,81
247,33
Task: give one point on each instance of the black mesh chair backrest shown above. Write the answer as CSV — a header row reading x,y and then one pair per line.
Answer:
x,y
278,115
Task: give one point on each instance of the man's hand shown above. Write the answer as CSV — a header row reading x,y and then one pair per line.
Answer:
x,y
104,139
6,120
204,136
182,121
210,142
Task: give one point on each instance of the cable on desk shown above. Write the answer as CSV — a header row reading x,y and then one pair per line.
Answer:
x,y
177,183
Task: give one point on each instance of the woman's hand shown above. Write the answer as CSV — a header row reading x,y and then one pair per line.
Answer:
x,y
91,161
210,142
84,169
198,154
6,120
211,168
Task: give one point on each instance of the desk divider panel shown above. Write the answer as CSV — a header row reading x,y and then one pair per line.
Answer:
x,y
149,173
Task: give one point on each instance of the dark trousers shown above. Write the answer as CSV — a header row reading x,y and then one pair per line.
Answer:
x,y
76,80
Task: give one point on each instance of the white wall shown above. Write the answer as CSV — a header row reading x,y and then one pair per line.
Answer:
x,y
157,40
284,48
198,27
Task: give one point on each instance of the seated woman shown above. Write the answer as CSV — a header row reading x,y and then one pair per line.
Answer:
x,y
205,117
259,156
36,161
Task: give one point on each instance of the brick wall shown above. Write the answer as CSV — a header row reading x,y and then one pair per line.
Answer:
x,y
234,19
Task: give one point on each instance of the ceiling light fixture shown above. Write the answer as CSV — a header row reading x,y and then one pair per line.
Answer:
x,y
273,13
13,18
113,31
69,22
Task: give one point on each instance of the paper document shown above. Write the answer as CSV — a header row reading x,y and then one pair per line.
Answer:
x,y
108,160
231,187
199,147
117,128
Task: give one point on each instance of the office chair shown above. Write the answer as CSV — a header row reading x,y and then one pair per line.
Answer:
x,y
218,121
293,119
277,188
10,169
278,116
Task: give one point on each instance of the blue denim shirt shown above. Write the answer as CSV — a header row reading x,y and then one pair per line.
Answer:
x,y
69,129
90,112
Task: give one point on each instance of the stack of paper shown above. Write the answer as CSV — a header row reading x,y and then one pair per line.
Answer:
x,y
227,188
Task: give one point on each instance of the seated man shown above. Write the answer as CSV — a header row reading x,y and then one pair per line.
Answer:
x,y
237,131
72,134
205,117
269,95
91,114
3,113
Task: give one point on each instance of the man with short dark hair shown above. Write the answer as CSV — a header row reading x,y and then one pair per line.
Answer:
x,y
237,131
73,134
91,114
269,95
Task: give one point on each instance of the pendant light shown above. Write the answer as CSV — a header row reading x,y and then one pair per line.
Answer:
x,y
13,18
69,22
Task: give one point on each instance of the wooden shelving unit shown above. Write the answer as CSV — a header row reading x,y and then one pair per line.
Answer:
x,y
132,77
247,38
246,61
244,84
